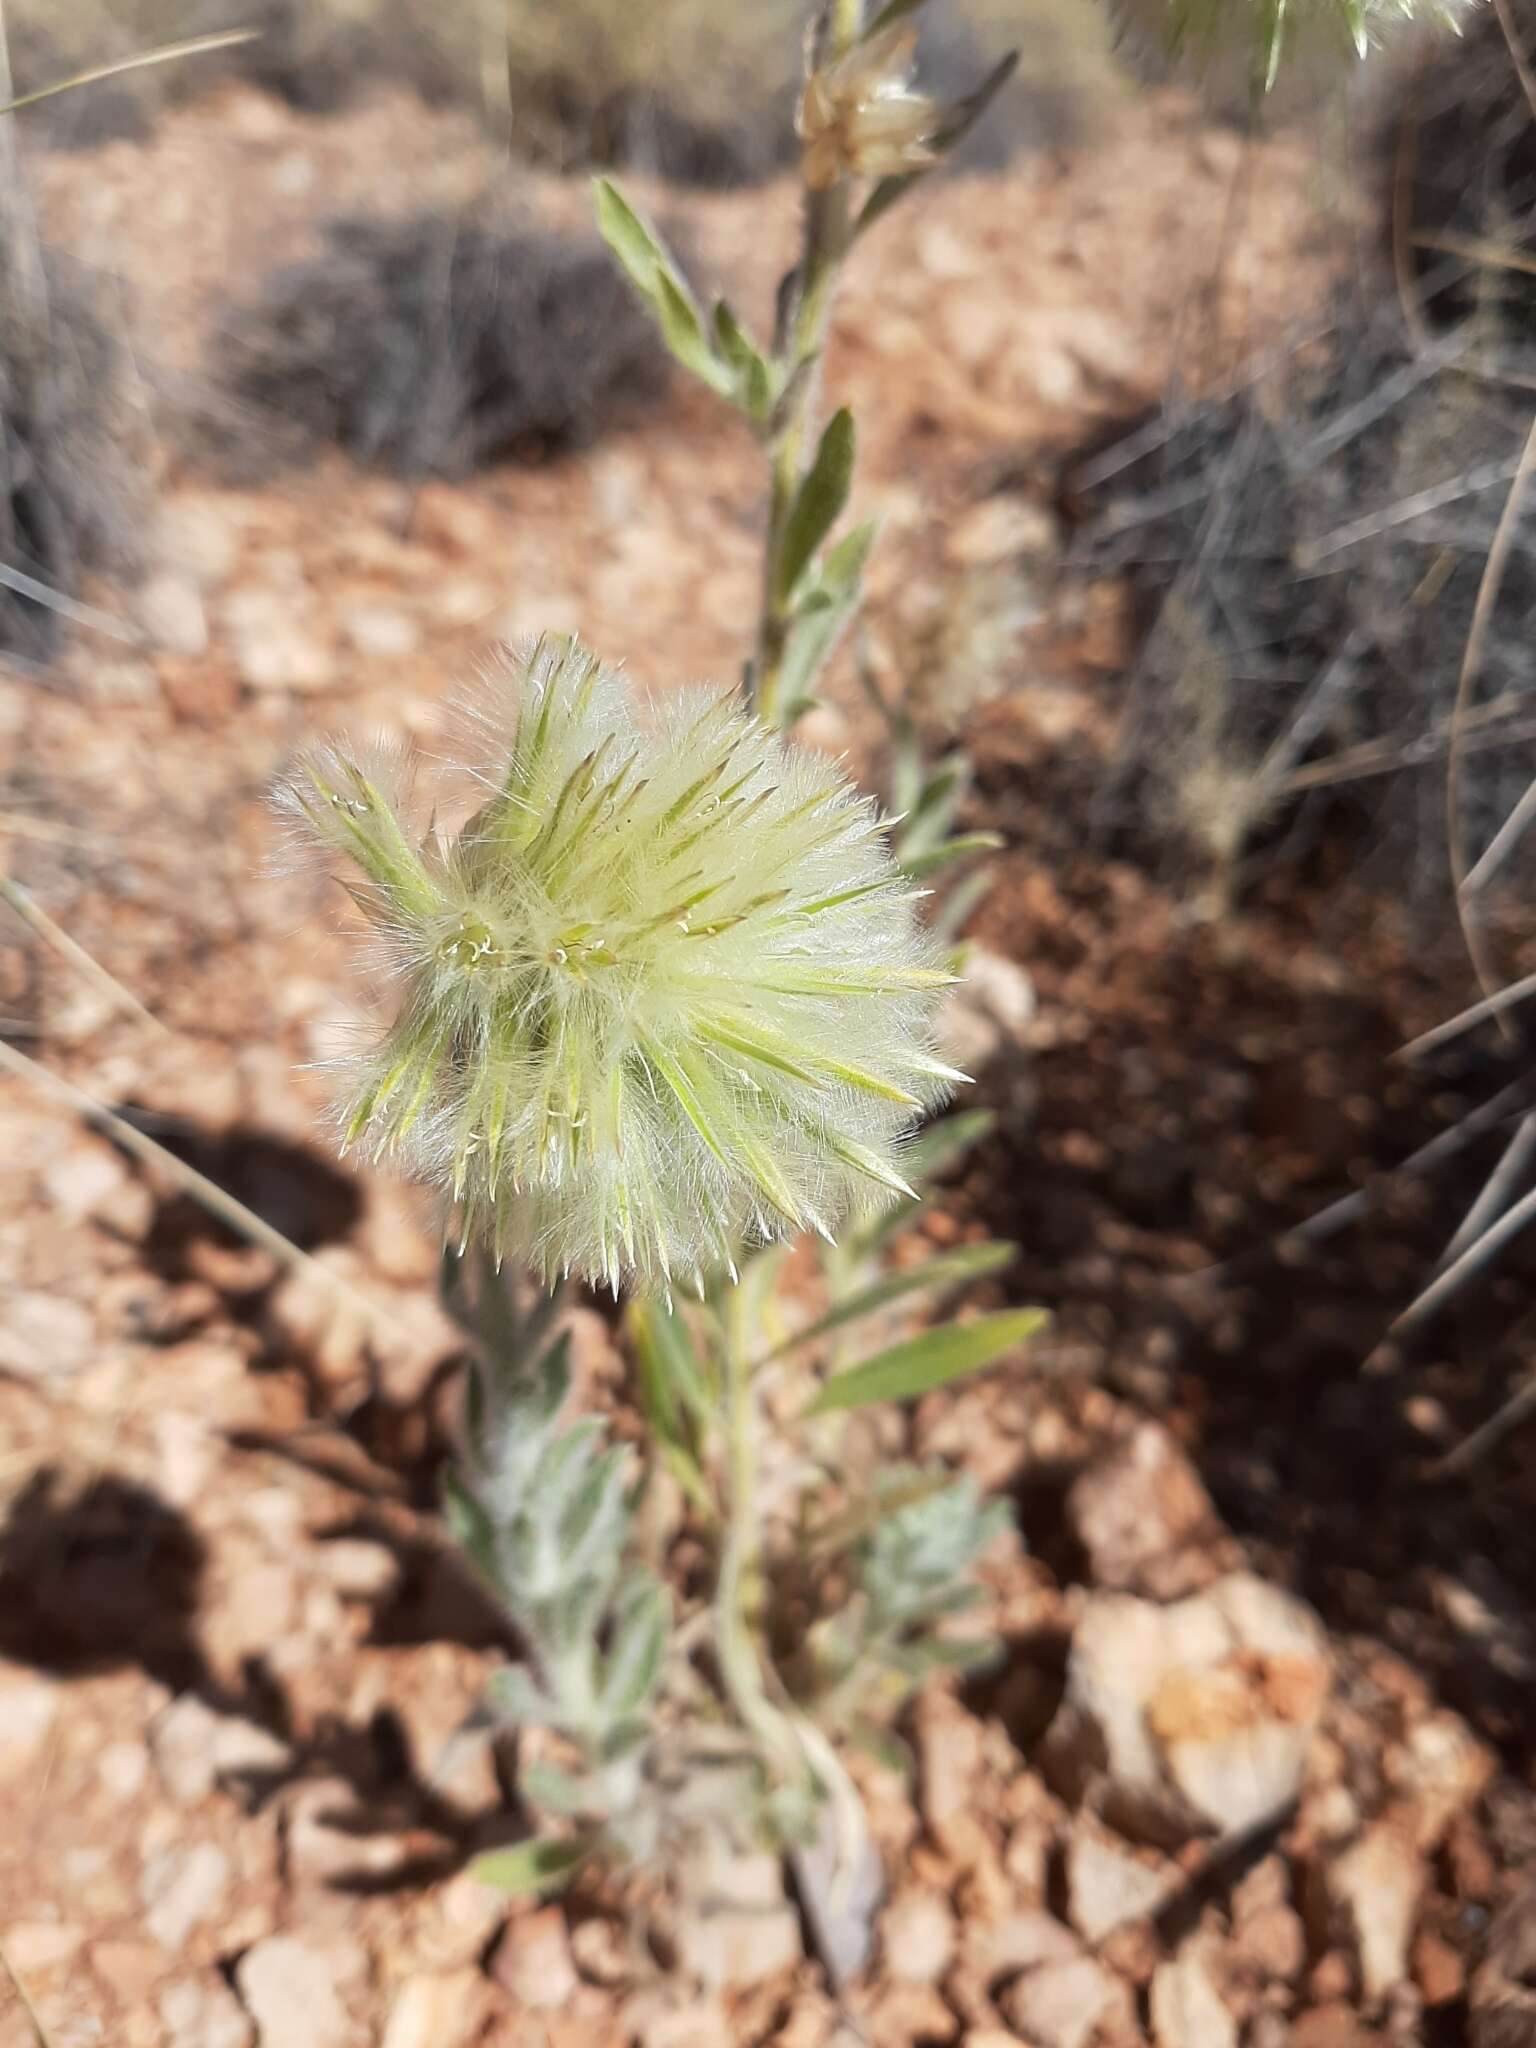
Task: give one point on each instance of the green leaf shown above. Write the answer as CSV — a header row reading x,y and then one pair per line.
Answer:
x,y
842,566
753,377
683,331
561,1791
942,1653
821,618
945,1142
513,1694
929,1361
529,1868
470,1527
949,1269
957,906
887,1748
639,1644
641,252
820,501
958,848
652,270
669,1365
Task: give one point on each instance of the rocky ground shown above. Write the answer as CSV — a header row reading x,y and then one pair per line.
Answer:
x,y
1257,1764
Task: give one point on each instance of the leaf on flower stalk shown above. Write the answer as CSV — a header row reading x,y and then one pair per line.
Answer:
x,y
932,1360
820,501
948,1269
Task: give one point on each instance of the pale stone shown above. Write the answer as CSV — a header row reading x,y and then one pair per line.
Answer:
x,y
37,1945
533,1961
171,614
917,1933
181,1740
1376,1885
1143,1518
1107,1886
45,1336
289,1989
203,2012
1194,1716
435,2012
181,1888
1060,2004
1187,2009
28,1708
380,632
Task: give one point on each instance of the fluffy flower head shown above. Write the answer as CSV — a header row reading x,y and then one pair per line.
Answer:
x,y
664,994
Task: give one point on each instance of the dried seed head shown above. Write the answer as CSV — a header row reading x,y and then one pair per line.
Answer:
x,y
860,117
663,995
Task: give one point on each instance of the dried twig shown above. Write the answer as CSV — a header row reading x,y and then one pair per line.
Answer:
x,y
1471,1262
92,970
1503,842
1489,1006
1490,1434
216,1200
166,53
1494,1197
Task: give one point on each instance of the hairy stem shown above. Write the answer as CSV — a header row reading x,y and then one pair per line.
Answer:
x,y
828,223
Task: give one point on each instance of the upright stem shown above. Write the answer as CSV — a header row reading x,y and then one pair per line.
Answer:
x,y
828,222
741,1666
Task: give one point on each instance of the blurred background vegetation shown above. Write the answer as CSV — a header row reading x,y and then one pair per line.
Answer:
x,y
696,91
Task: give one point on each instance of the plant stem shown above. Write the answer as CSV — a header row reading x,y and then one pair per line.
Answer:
x,y
828,224
741,1667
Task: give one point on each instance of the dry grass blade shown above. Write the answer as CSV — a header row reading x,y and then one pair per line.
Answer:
x,y
1490,1006
1517,57
1470,1263
1503,843
1490,254
67,607
165,53
1494,1198
1350,1208
1472,659
1473,1449
91,970
216,1200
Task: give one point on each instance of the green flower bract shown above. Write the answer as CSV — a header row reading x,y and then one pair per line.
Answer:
x,y
664,995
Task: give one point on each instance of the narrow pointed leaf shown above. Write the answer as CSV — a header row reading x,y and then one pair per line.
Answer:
x,y
949,1269
534,1867
820,500
932,1360
960,848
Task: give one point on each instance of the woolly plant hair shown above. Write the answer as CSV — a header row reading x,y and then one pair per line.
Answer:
x,y
664,994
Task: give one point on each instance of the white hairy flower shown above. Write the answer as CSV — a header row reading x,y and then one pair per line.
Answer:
x,y
665,994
